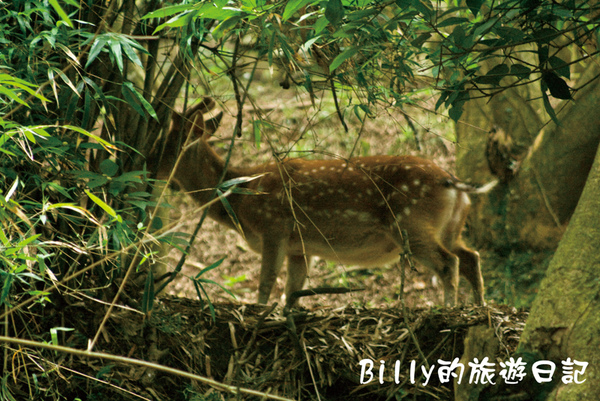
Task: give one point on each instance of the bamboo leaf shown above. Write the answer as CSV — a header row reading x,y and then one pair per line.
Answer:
x,y
334,11
61,13
104,206
343,56
292,6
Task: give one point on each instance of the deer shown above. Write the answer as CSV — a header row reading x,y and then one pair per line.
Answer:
x,y
349,210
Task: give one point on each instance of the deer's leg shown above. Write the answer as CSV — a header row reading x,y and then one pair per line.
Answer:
x,y
470,268
273,254
298,267
436,257
445,264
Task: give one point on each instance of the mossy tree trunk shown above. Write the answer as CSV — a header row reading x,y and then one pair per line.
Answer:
x,y
565,317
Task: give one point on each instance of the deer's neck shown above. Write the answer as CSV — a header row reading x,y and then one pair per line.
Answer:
x,y
199,173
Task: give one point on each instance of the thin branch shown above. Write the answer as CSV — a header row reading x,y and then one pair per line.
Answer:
x,y
139,362
237,132
407,261
337,106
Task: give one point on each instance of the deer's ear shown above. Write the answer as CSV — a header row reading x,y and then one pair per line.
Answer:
x,y
182,125
213,124
194,118
196,124
205,105
176,121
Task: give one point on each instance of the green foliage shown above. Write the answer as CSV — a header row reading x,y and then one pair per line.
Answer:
x,y
44,218
380,49
115,45
514,279
200,282
73,197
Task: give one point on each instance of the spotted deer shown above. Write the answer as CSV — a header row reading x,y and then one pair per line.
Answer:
x,y
351,211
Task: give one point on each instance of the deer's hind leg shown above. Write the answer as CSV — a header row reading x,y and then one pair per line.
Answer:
x,y
427,250
470,268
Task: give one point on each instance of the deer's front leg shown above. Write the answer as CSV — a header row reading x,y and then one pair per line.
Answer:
x,y
273,253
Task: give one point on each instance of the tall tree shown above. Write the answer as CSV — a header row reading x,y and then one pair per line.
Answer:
x,y
563,325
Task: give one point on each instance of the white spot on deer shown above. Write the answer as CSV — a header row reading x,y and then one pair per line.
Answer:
x,y
416,182
413,201
364,217
404,187
407,167
314,170
369,192
406,210
344,165
350,168
394,169
322,168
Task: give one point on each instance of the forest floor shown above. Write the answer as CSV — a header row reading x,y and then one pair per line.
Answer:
x,y
259,352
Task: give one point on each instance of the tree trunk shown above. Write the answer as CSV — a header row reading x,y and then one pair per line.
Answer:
x,y
565,317
532,209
